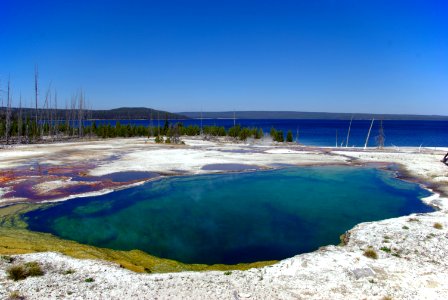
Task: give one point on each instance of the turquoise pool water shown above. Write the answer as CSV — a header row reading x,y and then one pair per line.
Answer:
x,y
233,218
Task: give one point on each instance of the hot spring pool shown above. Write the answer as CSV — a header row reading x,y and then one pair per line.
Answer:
x,y
233,218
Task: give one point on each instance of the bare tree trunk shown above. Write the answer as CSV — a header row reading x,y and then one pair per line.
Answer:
x,y
150,125
72,114
27,132
91,118
380,138
297,135
55,116
80,115
45,115
201,132
36,90
67,119
445,159
19,122
368,135
8,113
336,138
158,123
348,133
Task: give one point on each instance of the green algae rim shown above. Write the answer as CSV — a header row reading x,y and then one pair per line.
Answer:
x,y
16,238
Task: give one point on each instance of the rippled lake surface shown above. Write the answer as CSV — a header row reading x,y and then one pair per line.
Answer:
x,y
323,132
233,218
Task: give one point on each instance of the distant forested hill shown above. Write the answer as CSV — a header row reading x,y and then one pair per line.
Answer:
x,y
122,113
135,113
308,115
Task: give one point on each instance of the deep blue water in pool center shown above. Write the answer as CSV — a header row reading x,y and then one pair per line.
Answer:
x,y
234,218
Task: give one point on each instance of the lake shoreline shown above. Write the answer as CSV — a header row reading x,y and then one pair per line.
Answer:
x,y
423,271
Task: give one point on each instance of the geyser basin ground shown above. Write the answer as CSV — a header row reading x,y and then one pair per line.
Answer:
x,y
233,218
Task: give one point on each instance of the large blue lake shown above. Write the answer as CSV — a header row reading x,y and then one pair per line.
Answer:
x,y
323,132
233,218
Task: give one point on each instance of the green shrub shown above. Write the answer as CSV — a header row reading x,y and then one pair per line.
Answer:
x,y
227,272
20,272
289,136
431,235
16,273
279,137
370,253
90,279
7,258
438,226
405,227
68,272
385,249
15,295
33,269
344,238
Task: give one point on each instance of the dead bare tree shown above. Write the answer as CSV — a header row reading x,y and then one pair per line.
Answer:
x,y
368,134
19,122
336,138
55,120
36,94
381,137
158,124
80,115
67,119
91,119
150,130
27,128
44,116
73,113
348,133
175,137
8,113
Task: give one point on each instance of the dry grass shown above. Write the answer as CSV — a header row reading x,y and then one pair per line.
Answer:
x,y
15,295
16,273
413,220
370,253
33,269
438,226
20,272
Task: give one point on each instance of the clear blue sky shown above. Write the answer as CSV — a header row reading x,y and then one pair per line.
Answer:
x,y
337,56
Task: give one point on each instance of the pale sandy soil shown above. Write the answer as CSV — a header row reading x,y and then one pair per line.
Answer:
x,y
416,267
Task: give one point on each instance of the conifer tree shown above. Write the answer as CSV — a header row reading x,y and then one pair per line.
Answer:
x,y
289,136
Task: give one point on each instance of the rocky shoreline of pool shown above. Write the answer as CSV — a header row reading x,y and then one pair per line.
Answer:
x,y
409,262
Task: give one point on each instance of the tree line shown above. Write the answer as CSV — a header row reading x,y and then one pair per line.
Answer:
x,y
46,122
278,136
19,128
171,132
